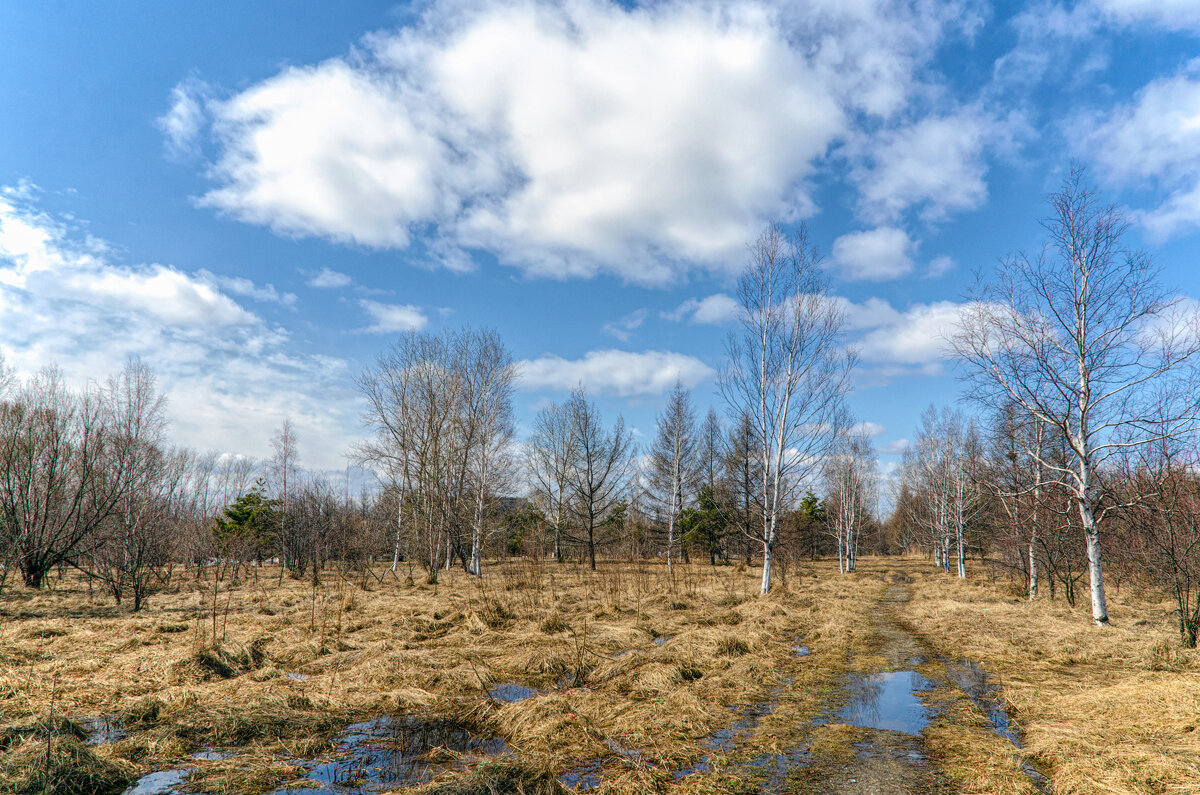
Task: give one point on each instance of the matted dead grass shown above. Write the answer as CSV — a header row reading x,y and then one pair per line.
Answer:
x,y
291,665
1097,708
633,668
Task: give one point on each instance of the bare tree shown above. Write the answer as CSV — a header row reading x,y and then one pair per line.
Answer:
x,y
673,458
54,493
491,376
851,485
711,448
741,481
1019,482
942,471
1161,531
441,409
1082,338
787,370
599,468
282,468
135,540
549,453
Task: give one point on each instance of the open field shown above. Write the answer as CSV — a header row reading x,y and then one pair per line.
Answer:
x,y
617,681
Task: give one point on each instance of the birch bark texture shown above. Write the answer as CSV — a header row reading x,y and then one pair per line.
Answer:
x,y
787,370
1082,338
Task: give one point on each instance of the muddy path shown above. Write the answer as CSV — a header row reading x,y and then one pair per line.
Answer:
x,y
886,707
873,725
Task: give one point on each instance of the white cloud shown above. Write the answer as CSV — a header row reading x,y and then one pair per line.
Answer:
x,y
1170,14
873,255
623,329
391,318
715,310
329,279
917,337
245,287
227,376
869,314
935,164
184,120
869,428
893,343
622,373
1155,139
894,447
939,266
572,139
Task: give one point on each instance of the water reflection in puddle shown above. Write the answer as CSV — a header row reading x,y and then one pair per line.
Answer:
x,y
106,729
662,639
887,701
969,677
164,782
387,753
801,651
510,692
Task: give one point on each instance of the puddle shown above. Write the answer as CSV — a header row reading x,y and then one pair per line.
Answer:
x,y
102,730
801,651
387,753
725,740
662,639
620,654
887,701
588,775
164,782
585,777
776,769
510,692
211,755
297,677
969,677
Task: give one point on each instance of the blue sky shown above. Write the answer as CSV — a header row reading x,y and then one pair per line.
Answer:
x,y
257,198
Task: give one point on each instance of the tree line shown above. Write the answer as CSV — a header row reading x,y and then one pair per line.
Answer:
x,y
1077,432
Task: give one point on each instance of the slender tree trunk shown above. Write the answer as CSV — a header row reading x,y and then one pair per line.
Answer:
x,y
399,530
1091,535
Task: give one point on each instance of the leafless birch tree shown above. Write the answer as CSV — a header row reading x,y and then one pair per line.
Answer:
x,y
549,452
1081,337
787,370
673,459
851,486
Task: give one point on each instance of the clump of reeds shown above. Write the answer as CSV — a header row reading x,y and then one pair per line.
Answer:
x,y
50,758
221,661
503,778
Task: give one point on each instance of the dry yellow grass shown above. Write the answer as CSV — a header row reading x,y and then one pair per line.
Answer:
x,y
1093,709
366,648
291,665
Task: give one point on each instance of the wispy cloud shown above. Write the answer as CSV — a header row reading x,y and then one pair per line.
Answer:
x,y
614,372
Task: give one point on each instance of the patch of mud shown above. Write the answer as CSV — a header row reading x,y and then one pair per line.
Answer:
x,y
887,701
388,753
